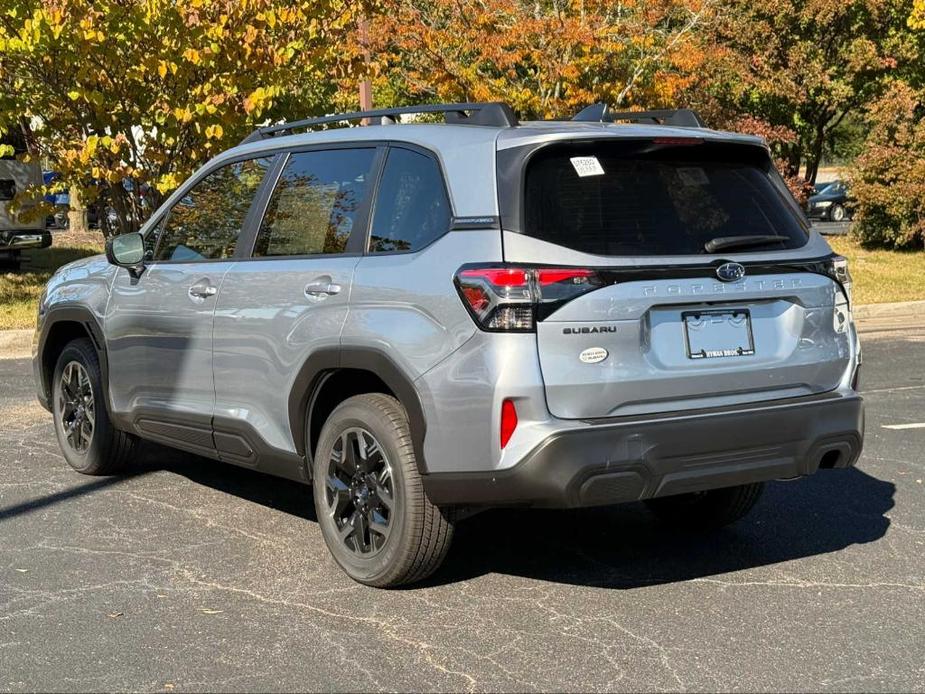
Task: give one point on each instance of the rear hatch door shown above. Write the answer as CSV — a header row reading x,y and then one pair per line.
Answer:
x,y
701,297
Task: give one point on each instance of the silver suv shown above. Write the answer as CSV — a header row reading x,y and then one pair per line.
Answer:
x,y
427,319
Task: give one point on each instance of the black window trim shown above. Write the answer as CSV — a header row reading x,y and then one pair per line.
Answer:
x,y
157,223
359,240
446,192
357,233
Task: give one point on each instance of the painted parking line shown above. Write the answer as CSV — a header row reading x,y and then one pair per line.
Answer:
x,y
914,425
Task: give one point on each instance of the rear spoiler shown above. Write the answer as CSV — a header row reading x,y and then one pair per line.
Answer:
x,y
679,118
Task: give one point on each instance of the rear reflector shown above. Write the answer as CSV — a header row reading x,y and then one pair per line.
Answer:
x,y
508,421
506,298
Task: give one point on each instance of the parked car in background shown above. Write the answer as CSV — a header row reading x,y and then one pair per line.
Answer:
x,y
109,221
17,231
61,200
829,202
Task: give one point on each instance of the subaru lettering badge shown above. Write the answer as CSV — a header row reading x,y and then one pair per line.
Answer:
x,y
730,272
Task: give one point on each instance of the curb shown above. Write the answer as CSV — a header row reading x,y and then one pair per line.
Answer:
x,y
896,310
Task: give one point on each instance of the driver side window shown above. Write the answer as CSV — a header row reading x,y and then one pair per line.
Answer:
x,y
205,223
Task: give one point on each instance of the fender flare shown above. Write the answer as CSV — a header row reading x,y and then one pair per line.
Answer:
x,y
314,372
79,315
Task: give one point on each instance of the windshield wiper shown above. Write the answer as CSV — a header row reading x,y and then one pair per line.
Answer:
x,y
721,243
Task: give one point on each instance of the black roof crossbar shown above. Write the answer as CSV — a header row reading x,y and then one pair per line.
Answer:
x,y
477,113
681,117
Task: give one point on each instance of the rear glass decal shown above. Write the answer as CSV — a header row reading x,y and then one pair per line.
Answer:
x,y
587,166
693,176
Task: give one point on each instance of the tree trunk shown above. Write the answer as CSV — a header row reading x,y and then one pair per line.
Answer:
x,y
77,212
814,157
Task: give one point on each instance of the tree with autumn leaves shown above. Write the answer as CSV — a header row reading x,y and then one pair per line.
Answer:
x,y
145,91
888,178
548,59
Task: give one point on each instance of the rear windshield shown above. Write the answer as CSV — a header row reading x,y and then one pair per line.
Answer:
x,y
658,198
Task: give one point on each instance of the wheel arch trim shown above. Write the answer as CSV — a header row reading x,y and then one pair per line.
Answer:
x,y
79,316
316,370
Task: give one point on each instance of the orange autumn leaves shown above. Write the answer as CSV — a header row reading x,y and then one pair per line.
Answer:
x,y
547,59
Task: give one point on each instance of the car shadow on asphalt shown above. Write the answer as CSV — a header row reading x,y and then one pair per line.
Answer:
x,y
619,546
626,547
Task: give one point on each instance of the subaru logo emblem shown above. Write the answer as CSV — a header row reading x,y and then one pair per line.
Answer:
x,y
730,272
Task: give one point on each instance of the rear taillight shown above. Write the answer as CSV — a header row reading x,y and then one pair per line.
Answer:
x,y
511,298
837,269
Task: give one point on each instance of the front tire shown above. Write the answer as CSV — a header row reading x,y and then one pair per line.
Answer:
x,y
370,502
90,443
838,213
707,510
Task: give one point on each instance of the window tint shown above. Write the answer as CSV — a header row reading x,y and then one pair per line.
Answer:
x,y
411,208
316,202
648,198
205,223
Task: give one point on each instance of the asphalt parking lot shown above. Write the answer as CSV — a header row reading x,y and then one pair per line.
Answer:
x,y
188,575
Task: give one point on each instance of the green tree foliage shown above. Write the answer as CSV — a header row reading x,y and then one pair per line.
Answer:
x,y
887,180
147,90
806,65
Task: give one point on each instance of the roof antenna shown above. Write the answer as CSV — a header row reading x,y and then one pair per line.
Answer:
x,y
595,113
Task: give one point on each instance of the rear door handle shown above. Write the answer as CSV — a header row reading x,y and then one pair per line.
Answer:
x,y
202,290
322,288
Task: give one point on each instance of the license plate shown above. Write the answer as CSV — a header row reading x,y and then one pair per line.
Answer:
x,y
714,334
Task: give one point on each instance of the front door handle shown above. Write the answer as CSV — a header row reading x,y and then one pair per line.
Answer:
x,y
322,288
202,290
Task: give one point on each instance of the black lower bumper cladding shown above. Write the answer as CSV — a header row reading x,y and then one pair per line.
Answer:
x,y
621,460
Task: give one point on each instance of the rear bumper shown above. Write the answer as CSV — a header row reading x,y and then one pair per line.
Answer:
x,y
22,239
615,462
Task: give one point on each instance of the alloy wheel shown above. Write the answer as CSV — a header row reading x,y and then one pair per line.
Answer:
x,y
76,407
359,492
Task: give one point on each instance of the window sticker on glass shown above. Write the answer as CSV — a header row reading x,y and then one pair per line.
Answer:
x,y
693,176
587,166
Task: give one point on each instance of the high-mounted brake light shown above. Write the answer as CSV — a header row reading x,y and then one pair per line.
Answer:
x,y
678,141
506,298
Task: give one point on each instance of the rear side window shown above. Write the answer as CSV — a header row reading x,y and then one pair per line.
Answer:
x,y
412,208
648,198
205,223
316,203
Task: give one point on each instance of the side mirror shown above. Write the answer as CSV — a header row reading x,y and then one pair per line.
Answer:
x,y
126,250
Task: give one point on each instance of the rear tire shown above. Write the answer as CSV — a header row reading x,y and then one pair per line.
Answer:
x,y
89,442
371,506
706,510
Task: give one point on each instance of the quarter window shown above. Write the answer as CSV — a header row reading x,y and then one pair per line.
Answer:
x,y
206,222
412,208
316,203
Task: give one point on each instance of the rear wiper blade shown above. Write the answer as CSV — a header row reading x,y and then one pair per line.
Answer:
x,y
726,242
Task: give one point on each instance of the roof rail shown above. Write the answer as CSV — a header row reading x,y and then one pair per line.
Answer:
x,y
492,113
681,117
